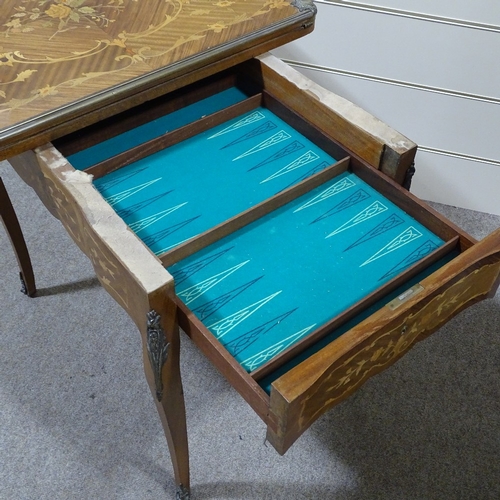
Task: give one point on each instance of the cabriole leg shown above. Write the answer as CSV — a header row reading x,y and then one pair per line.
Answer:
x,y
11,224
161,361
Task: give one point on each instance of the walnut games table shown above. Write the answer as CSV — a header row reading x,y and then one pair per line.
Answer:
x,y
216,189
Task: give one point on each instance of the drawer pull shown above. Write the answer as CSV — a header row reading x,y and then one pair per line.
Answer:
x,y
404,329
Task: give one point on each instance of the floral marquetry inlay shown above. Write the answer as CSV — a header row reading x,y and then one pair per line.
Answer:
x,y
62,15
58,52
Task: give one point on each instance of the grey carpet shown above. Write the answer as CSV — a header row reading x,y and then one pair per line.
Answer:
x,y
77,420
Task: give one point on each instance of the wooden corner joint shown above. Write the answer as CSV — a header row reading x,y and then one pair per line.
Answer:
x,y
399,164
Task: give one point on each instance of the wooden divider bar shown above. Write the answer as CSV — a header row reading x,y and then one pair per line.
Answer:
x,y
241,220
170,138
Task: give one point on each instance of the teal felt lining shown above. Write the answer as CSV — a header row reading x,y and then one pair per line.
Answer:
x,y
155,128
270,284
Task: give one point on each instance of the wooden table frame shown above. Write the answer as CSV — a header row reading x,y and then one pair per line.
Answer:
x,y
139,282
75,85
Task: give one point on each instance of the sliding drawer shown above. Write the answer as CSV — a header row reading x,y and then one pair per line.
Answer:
x,y
296,266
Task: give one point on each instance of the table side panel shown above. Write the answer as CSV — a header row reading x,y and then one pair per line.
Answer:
x,y
124,266
306,392
131,275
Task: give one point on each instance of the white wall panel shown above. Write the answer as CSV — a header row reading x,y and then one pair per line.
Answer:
x,y
432,120
481,11
456,182
411,50
442,85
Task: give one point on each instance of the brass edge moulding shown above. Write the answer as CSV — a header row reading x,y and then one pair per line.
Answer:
x,y
305,5
405,296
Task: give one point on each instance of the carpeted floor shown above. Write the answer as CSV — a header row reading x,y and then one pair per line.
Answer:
x,y
77,421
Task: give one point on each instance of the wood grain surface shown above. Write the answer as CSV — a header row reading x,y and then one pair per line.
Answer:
x,y
55,53
360,133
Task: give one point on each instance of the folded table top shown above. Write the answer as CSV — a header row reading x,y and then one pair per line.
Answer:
x,y
67,63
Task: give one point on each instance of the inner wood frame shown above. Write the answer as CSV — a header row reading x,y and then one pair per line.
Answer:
x,y
148,111
388,188
176,136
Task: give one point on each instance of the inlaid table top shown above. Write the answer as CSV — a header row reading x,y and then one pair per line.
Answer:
x,y
63,59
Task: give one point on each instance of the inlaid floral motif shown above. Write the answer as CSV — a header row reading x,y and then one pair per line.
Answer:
x,y
68,14
391,344
217,27
26,74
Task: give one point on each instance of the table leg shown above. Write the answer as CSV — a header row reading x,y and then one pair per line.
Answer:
x,y
124,267
11,224
161,362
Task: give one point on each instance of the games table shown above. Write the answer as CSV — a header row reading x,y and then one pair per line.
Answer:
x,y
219,190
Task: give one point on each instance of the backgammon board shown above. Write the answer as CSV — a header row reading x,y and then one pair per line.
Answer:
x,y
278,281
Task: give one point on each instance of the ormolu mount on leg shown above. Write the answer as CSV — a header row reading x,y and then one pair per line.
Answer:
x,y
157,350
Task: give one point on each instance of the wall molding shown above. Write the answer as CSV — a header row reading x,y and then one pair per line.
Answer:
x,y
462,23
452,93
392,81
460,156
